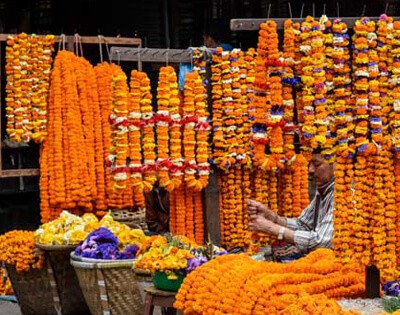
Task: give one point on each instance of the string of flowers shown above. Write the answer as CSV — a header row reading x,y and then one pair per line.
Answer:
x,y
362,28
119,132
395,85
274,108
307,77
342,89
198,217
228,209
202,129
86,106
189,121
259,139
163,120
175,145
384,33
189,213
289,81
103,72
28,63
148,135
384,215
248,101
230,80
217,113
135,138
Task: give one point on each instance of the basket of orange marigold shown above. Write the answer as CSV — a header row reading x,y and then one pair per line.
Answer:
x,y
26,268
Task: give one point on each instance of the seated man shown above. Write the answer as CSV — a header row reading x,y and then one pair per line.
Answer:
x,y
314,227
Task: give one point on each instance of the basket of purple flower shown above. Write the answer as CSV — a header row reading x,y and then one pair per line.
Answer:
x,y
104,269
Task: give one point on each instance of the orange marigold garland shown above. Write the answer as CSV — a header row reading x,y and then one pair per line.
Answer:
x,y
148,135
259,139
162,126
189,121
119,139
135,139
175,141
253,287
217,112
103,72
28,66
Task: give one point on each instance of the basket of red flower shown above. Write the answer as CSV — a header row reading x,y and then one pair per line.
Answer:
x,y
104,267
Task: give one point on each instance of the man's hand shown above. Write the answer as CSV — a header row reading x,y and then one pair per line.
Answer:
x,y
255,208
261,224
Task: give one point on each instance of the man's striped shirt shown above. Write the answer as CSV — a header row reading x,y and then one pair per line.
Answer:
x,y
314,227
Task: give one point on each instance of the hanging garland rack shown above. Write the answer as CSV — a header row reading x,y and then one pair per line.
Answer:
x,y
254,24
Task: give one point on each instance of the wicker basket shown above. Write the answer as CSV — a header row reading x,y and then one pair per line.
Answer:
x,y
33,291
68,291
109,287
134,220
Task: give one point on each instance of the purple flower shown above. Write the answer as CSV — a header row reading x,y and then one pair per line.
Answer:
x,y
103,244
195,262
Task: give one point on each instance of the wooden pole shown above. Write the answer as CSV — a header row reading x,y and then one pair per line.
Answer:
x,y
372,282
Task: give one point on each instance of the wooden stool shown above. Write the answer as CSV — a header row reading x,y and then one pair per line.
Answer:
x,y
155,297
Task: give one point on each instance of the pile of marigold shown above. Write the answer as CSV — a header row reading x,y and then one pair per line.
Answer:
x,y
236,284
17,248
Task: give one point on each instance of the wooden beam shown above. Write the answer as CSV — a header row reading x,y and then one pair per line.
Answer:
x,y
19,172
254,24
90,39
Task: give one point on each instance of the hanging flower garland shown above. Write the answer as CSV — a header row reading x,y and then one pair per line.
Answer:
x,y
248,84
259,139
148,135
361,61
217,113
274,102
119,130
189,135
384,47
395,84
163,120
28,63
175,146
135,138
103,72
202,133
229,72
342,88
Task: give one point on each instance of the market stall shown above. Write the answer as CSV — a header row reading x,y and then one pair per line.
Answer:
x,y
243,126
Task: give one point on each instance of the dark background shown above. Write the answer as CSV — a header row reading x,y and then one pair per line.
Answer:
x,y
160,24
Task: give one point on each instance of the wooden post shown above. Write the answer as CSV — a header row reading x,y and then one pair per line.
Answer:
x,y
372,282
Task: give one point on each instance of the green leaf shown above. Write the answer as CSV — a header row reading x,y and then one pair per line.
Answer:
x,y
391,304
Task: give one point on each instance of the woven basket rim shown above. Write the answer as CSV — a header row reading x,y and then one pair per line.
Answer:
x,y
94,260
55,247
101,265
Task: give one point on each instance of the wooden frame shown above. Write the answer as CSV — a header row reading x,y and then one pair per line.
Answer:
x,y
68,41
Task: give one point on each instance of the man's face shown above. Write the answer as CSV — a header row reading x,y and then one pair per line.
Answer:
x,y
321,171
208,41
